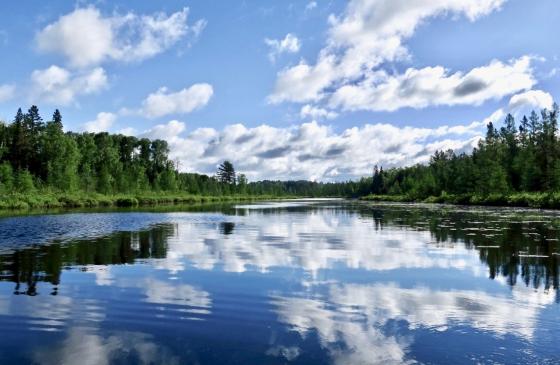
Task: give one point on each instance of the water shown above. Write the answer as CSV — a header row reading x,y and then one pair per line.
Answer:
x,y
306,282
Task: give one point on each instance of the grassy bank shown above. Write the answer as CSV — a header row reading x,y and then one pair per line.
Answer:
x,y
530,200
77,200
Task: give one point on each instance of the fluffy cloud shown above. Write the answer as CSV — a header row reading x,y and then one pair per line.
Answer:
x,y
372,32
57,85
290,44
86,37
419,88
310,150
309,111
7,92
163,102
522,104
315,151
101,123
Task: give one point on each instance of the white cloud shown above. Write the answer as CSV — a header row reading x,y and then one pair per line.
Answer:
x,y
57,85
163,102
7,92
102,123
167,131
311,5
433,86
368,34
290,44
522,104
310,111
128,131
310,150
315,151
535,99
86,37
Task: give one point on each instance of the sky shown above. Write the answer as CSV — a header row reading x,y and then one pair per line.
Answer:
x,y
319,90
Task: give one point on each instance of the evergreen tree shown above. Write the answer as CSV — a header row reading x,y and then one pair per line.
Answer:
x,y
226,173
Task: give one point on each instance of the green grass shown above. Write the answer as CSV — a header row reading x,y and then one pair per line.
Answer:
x,y
47,200
532,200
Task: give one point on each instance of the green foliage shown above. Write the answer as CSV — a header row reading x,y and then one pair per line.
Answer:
x,y
504,165
226,173
6,177
24,182
41,165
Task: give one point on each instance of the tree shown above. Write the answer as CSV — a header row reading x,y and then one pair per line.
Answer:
x,y
242,183
6,177
57,118
377,181
226,173
19,147
24,181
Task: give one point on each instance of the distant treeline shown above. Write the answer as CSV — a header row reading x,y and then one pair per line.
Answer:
x,y
513,159
37,156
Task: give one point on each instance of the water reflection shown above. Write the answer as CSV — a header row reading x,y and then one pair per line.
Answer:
x,y
226,228
308,282
26,267
84,346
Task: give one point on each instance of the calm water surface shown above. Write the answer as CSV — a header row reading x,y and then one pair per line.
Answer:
x,y
304,282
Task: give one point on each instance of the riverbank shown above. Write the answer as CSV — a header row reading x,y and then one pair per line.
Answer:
x,y
61,200
530,200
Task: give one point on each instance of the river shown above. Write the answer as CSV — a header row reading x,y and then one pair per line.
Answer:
x,y
291,282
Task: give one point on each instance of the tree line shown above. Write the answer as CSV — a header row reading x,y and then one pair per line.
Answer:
x,y
37,155
520,156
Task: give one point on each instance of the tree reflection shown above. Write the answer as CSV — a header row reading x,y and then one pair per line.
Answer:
x,y
514,245
45,263
226,228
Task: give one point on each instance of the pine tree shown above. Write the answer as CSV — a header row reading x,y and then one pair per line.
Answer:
x,y
226,173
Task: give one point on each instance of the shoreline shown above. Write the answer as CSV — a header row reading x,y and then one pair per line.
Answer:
x,y
518,200
22,202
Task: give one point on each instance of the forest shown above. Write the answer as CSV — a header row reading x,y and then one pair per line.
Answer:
x,y
516,164
41,165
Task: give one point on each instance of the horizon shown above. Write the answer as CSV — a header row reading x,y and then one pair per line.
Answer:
x,y
343,87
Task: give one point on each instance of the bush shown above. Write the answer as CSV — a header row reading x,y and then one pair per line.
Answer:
x,y
126,202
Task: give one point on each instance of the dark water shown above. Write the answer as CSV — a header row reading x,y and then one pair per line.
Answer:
x,y
320,282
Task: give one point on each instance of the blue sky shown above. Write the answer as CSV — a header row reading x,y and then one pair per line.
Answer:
x,y
286,89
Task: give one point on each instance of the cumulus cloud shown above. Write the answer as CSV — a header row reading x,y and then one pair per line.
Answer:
x,y
57,85
7,92
86,37
316,151
310,111
290,44
372,32
101,123
522,104
310,150
432,86
164,102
